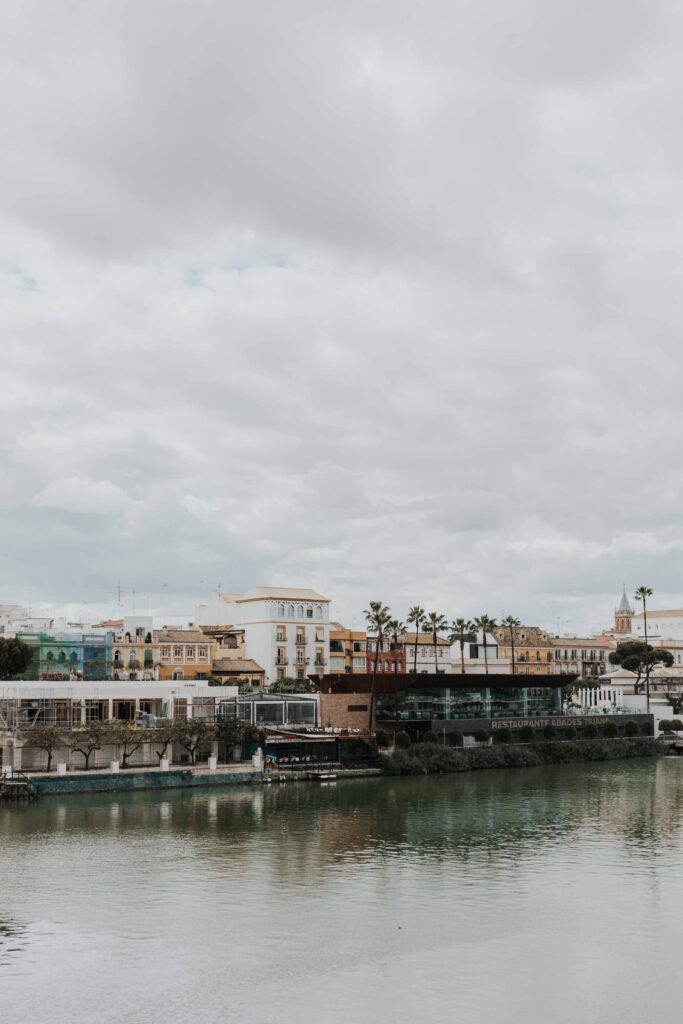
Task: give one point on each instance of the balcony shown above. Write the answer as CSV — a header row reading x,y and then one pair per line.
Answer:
x,y
280,662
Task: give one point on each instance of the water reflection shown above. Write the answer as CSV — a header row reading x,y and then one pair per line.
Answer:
x,y
280,900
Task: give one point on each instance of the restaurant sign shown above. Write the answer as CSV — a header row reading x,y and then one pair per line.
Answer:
x,y
540,723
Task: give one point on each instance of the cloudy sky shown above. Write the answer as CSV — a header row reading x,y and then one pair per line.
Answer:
x,y
378,297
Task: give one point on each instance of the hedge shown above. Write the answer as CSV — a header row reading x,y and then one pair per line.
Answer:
x,y
428,759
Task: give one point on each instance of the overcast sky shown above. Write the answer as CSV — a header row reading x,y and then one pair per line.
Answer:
x,y
382,298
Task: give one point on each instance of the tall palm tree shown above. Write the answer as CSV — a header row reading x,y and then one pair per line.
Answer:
x,y
487,626
512,624
416,618
377,616
642,594
461,630
396,629
435,623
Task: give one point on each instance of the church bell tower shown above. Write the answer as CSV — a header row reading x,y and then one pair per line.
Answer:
x,y
623,616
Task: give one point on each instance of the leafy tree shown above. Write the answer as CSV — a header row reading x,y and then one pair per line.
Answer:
x,y
486,625
481,736
590,732
631,728
416,618
377,617
639,657
462,630
47,738
455,738
664,725
435,623
512,625
548,731
193,732
382,738
128,737
15,657
676,725
526,734
290,685
401,739
428,737
647,729
503,735
87,740
163,737
609,730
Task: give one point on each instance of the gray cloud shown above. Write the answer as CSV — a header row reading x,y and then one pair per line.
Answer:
x,y
375,298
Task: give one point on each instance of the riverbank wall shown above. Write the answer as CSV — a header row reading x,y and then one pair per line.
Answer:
x,y
78,783
431,759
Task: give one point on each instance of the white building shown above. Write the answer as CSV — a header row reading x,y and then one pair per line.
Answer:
x,y
663,627
286,629
425,659
476,661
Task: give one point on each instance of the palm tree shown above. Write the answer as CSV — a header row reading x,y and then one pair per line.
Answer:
x,y
396,628
416,617
461,629
487,626
512,624
377,617
642,594
435,623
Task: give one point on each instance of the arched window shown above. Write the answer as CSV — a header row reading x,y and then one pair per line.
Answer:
x,y
73,656
318,612
62,656
117,655
299,611
290,611
281,610
50,656
133,657
148,638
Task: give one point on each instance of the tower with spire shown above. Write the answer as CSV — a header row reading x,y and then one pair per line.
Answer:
x,y
623,616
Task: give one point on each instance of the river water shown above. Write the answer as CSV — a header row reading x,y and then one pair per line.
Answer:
x,y
531,895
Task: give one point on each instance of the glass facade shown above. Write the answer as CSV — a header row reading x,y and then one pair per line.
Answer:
x,y
485,702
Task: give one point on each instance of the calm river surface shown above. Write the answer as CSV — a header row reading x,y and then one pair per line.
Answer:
x,y
535,895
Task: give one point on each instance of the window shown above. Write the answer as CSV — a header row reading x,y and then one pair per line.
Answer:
x,y
281,611
309,613
178,674
280,633
299,611
189,651
318,612
117,655
177,652
300,654
201,651
319,634
301,637
165,652
358,707
281,657
290,611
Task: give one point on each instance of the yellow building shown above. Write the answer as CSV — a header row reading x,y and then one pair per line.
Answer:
x,y
347,649
534,654
183,653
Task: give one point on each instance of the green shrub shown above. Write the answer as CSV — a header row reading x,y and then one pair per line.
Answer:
x,y
402,739
570,732
609,730
631,728
428,737
647,729
430,758
526,734
382,738
676,725
548,731
503,735
590,732
455,738
665,725
481,736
